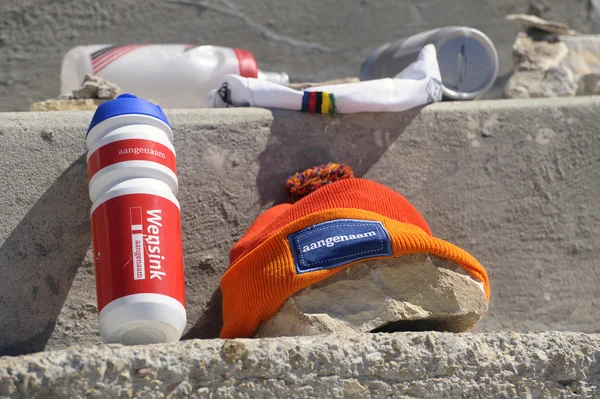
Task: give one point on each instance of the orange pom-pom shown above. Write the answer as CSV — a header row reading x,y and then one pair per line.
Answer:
x,y
303,183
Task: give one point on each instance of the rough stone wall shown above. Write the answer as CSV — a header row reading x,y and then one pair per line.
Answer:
x,y
515,183
310,39
404,365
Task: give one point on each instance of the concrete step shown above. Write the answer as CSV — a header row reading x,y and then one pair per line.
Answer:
x,y
513,182
424,365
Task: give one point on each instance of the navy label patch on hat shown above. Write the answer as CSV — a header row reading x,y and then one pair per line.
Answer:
x,y
338,242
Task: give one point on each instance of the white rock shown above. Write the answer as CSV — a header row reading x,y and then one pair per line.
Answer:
x,y
532,21
562,67
530,54
584,54
540,69
96,87
417,292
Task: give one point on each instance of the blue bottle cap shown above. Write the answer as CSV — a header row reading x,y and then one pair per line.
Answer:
x,y
127,104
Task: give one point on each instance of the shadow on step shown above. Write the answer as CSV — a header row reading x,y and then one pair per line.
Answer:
x,y
299,141
209,324
451,323
39,260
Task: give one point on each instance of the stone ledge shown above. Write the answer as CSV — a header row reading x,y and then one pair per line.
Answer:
x,y
428,365
515,183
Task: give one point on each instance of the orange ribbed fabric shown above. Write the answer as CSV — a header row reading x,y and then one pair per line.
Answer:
x,y
262,275
352,193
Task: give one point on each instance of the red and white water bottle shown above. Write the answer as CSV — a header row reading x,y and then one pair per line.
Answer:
x,y
173,75
136,223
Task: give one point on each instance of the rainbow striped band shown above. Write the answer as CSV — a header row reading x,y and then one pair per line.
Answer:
x,y
319,102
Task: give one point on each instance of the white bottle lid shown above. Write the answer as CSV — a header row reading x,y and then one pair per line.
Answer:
x,y
141,319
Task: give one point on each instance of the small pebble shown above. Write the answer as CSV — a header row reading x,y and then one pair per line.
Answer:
x,y
143,371
47,135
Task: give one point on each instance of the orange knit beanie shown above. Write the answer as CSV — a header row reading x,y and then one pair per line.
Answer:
x,y
336,222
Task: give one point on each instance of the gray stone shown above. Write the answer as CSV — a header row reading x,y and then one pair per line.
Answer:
x,y
312,40
523,202
533,55
584,61
533,21
409,293
415,365
540,69
96,87
553,82
589,85
555,68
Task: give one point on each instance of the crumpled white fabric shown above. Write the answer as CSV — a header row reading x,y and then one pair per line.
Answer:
x,y
418,84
